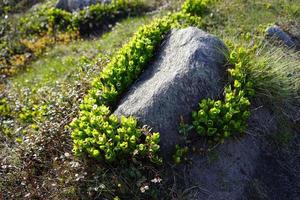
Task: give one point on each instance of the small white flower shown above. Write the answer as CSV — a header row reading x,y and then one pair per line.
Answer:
x,y
67,154
99,92
135,152
156,180
27,195
102,186
144,188
95,107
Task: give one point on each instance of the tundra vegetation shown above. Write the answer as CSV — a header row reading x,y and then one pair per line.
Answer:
x,y
63,73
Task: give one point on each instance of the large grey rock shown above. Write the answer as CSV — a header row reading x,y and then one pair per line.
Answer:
x,y
189,67
73,5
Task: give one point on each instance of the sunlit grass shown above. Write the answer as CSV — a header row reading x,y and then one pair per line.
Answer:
x,y
62,60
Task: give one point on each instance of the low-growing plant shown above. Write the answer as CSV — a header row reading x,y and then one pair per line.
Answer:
x,y
218,119
90,18
32,114
4,107
180,154
195,7
101,135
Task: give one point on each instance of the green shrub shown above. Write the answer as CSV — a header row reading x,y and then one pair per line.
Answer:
x,y
102,136
32,114
222,119
15,6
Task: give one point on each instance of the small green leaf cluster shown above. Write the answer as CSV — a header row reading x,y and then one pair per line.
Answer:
x,y
180,154
33,114
222,119
4,107
195,7
129,62
40,21
16,6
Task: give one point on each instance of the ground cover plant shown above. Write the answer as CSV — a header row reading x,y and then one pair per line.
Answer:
x,y
222,119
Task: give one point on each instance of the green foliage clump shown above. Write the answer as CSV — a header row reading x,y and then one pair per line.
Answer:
x,y
4,107
44,20
275,75
14,6
195,7
180,154
222,119
129,62
104,137
30,115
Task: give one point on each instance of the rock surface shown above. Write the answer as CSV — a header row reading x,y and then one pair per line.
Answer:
x,y
226,172
73,5
189,67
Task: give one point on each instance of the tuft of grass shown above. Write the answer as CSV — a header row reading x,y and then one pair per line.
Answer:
x,y
276,74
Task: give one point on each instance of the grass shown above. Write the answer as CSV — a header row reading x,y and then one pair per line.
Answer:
x,y
231,19
276,74
62,60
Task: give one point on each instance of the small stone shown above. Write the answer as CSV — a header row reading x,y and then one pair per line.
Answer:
x,y
277,33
